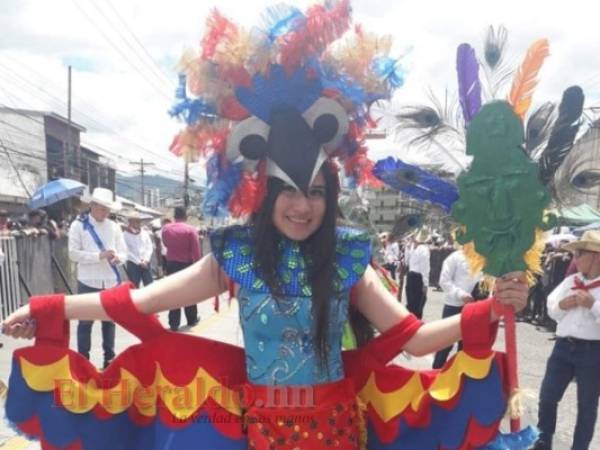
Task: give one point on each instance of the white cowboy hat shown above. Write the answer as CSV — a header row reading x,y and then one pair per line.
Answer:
x,y
134,214
590,241
104,197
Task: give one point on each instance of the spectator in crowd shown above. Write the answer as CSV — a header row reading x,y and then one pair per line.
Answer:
x,y
4,222
96,244
139,250
556,262
575,305
161,246
417,278
38,224
183,249
458,284
390,254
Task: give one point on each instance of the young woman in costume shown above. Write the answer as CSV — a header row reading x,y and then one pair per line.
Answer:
x,y
298,277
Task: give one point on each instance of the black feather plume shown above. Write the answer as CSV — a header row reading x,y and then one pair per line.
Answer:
x,y
495,41
422,123
538,127
563,133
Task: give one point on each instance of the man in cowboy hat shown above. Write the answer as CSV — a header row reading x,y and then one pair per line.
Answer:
x,y
96,244
139,249
575,305
417,278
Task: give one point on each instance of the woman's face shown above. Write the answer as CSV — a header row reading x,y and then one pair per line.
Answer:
x,y
297,216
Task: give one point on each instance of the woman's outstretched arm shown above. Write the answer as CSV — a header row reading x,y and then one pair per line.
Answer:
x,y
201,281
382,309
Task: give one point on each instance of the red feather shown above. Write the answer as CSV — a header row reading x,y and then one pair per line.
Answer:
x,y
249,192
218,27
322,27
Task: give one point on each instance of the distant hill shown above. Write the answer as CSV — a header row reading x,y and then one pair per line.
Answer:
x,y
130,187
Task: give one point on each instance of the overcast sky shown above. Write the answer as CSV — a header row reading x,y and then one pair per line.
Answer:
x,y
124,54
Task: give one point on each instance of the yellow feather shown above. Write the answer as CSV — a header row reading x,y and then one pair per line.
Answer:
x,y
526,79
532,258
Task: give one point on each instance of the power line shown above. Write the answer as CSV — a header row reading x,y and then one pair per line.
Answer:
x,y
159,70
112,153
101,126
15,169
119,51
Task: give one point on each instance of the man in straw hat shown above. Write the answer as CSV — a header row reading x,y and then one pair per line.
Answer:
x,y
139,249
575,305
417,278
96,244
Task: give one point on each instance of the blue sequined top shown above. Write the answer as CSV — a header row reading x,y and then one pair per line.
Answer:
x,y
278,333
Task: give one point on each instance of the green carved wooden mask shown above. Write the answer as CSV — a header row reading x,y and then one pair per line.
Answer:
x,y
502,199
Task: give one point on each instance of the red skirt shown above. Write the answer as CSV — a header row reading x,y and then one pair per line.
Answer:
x,y
304,417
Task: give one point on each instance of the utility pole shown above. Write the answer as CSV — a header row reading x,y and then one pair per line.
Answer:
x,y
186,184
142,171
67,146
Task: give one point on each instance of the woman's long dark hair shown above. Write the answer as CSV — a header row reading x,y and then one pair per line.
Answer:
x,y
318,251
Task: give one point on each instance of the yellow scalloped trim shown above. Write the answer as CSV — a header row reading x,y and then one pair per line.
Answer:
x,y
78,397
445,387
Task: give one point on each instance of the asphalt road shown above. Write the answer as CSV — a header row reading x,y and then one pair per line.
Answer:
x,y
534,347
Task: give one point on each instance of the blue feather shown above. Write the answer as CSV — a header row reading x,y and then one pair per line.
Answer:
x,y
333,79
416,182
277,89
520,440
190,110
469,87
222,179
387,69
282,19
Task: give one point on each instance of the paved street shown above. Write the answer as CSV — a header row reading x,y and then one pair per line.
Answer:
x,y
534,348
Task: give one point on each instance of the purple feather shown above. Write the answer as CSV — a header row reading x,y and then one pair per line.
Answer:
x,y
469,88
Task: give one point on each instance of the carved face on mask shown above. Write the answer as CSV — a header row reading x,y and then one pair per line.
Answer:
x,y
501,200
578,178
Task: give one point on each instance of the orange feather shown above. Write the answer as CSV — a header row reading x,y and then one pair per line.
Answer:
x,y
526,79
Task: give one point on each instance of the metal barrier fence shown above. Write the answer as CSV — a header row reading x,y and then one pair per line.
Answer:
x,y
10,290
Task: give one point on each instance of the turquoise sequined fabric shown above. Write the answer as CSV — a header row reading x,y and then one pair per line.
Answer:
x,y
233,249
278,333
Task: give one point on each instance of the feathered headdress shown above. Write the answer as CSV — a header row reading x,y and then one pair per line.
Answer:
x,y
279,101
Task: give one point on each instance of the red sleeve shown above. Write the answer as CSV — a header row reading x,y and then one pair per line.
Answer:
x,y
478,333
390,343
49,312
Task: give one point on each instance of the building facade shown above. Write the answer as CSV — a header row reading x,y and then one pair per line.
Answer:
x,y
39,146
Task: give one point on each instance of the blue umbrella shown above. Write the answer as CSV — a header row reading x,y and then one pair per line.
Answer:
x,y
55,191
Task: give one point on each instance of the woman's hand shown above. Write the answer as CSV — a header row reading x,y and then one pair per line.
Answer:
x,y
511,290
19,324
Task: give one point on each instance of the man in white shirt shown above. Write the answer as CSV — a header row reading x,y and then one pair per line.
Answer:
x,y
390,253
458,283
96,244
139,250
417,278
575,305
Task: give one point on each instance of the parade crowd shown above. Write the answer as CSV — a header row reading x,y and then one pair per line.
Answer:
x,y
564,300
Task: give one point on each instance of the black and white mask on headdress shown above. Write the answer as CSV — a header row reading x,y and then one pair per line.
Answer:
x,y
294,137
